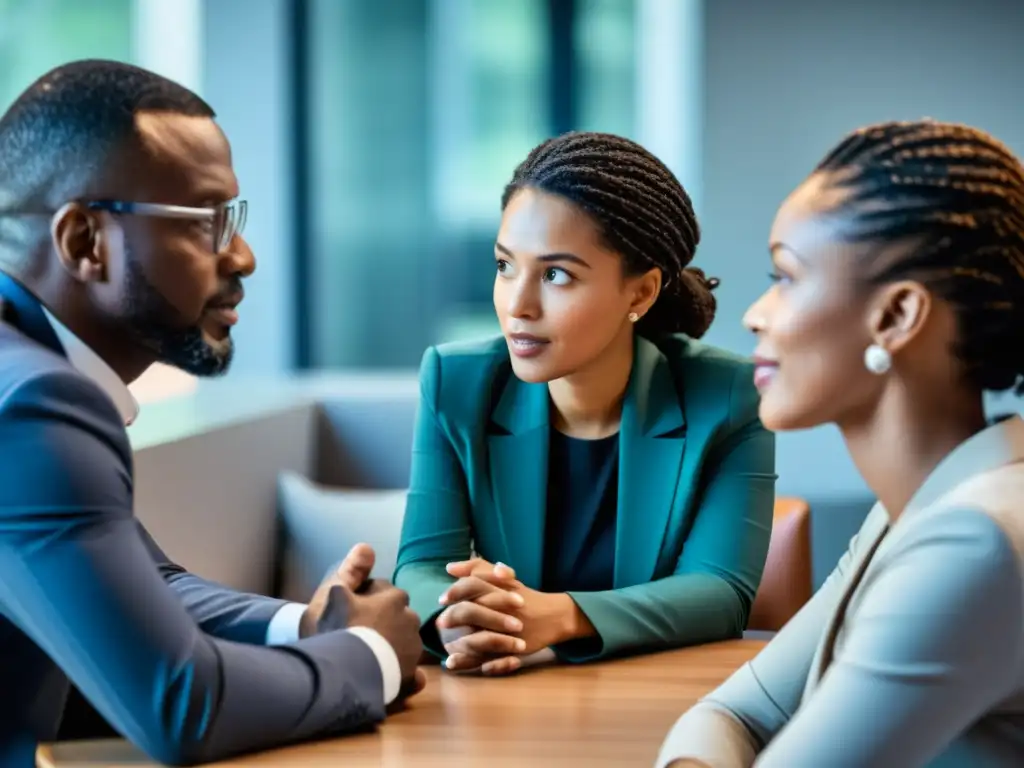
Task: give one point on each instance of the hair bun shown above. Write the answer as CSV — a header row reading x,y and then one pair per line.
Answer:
x,y
696,275
690,306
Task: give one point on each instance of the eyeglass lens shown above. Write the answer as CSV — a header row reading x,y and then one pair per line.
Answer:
x,y
230,221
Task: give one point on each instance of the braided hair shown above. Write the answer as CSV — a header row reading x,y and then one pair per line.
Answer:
x,y
958,195
642,212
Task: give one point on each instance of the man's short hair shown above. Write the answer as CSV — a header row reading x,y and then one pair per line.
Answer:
x,y
64,127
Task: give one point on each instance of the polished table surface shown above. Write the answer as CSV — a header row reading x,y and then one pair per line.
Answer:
x,y
607,714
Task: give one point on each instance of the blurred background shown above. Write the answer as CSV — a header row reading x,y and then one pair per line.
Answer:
x,y
372,139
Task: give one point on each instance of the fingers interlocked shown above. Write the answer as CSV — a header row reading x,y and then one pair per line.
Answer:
x,y
481,599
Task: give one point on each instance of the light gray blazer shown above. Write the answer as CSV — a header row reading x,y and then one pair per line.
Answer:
x,y
910,654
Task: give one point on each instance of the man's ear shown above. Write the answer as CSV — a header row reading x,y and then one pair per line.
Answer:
x,y
82,242
899,314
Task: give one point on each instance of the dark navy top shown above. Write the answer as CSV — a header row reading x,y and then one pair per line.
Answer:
x,y
579,528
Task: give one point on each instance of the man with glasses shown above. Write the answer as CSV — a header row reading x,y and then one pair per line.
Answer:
x,y
120,246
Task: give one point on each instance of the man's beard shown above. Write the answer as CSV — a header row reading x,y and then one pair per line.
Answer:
x,y
150,317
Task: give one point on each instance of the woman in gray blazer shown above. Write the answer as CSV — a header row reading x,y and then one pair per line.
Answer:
x,y
898,300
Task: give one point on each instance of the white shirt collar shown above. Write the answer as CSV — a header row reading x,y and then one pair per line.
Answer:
x,y
92,365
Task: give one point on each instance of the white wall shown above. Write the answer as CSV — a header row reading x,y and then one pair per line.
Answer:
x,y
168,39
234,54
670,87
245,79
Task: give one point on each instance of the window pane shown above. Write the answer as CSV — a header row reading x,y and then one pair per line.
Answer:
x,y
420,110
605,32
493,56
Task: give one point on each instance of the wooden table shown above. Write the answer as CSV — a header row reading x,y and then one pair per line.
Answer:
x,y
608,714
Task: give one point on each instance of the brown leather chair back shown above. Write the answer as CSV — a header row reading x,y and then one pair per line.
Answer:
x,y
786,584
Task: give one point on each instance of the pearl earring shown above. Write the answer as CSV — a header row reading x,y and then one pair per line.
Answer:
x,y
633,317
877,359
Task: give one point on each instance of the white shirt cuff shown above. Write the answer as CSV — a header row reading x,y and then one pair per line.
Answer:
x,y
284,625
390,670
284,628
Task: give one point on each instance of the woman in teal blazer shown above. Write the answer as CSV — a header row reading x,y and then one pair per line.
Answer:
x,y
609,472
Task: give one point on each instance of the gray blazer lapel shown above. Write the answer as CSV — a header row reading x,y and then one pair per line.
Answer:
x,y
970,462
870,536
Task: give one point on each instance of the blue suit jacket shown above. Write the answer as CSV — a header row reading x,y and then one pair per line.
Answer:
x,y
174,663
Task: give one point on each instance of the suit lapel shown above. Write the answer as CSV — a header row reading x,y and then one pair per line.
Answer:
x,y
651,442
998,445
517,449
874,533
23,311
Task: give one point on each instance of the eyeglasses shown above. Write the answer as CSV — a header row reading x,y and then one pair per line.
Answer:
x,y
226,219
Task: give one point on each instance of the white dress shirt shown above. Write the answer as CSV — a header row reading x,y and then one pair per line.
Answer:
x,y
284,626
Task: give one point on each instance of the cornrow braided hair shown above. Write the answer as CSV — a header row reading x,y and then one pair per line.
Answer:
x,y
641,210
958,194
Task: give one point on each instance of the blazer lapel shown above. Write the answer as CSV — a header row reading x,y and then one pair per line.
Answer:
x,y
651,441
517,449
874,533
23,311
994,447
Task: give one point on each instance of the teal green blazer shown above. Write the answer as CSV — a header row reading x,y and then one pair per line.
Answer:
x,y
696,491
